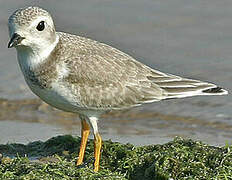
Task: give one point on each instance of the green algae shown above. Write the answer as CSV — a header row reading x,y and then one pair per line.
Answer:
x,y
55,159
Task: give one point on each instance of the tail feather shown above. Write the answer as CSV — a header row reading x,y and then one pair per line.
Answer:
x,y
215,90
193,89
177,87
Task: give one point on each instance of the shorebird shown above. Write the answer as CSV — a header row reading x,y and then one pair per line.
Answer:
x,y
83,76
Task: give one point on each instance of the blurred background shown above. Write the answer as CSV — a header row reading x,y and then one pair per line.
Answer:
x,y
187,38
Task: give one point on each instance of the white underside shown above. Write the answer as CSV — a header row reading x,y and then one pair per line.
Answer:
x,y
60,97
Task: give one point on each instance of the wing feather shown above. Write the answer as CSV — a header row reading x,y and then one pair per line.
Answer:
x,y
104,77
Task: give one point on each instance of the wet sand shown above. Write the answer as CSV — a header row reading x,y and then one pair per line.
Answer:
x,y
190,39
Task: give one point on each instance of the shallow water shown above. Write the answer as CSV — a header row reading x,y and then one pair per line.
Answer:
x,y
187,38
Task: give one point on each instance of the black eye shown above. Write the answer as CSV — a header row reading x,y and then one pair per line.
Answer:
x,y
40,26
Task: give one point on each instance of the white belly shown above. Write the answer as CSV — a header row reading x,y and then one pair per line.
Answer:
x,y
58,96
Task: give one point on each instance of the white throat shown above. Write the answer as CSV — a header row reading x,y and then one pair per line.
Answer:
x,y
31,58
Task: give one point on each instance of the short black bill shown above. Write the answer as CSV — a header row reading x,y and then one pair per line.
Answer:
x,y
15,40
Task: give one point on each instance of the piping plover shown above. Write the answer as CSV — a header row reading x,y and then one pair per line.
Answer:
x,y
86,77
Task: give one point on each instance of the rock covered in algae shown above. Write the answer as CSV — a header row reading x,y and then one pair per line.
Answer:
x,y
55,159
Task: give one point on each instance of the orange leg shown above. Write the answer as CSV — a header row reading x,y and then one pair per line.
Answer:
x,y
97,151
85,129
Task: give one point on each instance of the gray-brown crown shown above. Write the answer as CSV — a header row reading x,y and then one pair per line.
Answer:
x,y
25,15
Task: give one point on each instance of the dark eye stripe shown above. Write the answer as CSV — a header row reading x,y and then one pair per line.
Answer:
x,y
40,26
